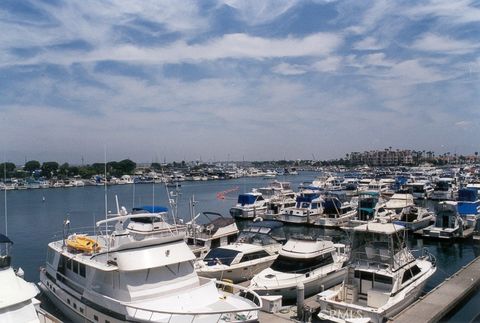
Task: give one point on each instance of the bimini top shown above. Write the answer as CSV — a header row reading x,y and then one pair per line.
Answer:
x,y
5,239
150,209
377,227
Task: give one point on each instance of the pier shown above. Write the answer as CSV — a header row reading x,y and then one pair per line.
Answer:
x,y
443,298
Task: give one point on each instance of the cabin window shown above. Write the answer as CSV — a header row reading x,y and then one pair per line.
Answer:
x,y
301,266
75,266
68,301
375,278
411,272
254,255
82,270
69,264
220,255
232,238
75,305
50,256
95,318
215,243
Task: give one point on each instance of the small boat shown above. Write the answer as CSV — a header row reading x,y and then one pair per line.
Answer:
x,y
308,207
415,218
249,206
318,264
82,243
337,211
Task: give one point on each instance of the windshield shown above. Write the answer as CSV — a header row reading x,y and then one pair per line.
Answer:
x,y
220,256
292,265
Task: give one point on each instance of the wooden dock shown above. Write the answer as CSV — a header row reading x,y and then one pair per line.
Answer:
x,y
443,298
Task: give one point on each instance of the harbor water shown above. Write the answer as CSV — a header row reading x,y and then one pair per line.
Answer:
x,y
36,217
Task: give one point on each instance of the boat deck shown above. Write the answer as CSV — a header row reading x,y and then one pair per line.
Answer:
x,y
444,298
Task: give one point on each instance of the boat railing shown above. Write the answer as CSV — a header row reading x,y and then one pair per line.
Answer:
x,y
424,253
379,260
228,315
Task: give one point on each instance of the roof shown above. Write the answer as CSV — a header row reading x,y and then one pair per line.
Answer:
x,y
376,227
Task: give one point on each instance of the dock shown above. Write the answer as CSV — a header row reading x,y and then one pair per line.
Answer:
x,y
443,298
467,233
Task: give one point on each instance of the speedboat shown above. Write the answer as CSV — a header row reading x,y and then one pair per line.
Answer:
x,y
448,222
383,277
249,206
256,249
307,208
414,218
17,297
421,189
337,212
142,271
318,264
216,231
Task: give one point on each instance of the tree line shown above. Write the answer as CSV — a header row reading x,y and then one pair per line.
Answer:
x,y
49,169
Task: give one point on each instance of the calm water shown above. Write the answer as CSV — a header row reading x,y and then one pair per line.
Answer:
x,y
36,216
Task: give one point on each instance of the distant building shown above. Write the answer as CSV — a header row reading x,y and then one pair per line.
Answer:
x,y
386,157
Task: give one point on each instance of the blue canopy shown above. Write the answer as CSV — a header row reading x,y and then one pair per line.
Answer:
x,y
307,198
5,239
465,208
246,199
467,194
151,209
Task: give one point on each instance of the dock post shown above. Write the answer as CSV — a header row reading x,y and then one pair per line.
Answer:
x,y
300,300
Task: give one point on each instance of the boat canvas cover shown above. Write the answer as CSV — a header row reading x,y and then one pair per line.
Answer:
x,y
468,195
465,208
151,209
246,199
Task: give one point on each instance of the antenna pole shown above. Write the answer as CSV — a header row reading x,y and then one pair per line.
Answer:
x,y
5,192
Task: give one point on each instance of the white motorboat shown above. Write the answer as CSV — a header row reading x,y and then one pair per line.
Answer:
x,y
217,231
249,206
318,264
414,218
256,249
444,189
337,212
139,271
383,277
17,297
277,205
448,222
308,207
420,190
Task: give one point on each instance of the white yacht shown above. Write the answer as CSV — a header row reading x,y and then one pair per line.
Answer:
x,y
448,222
217,231
337,212
256,249
141,270
383,277
414,218
444,189
308,207
17,297
249,206
278,204
318,264
393,207
421,189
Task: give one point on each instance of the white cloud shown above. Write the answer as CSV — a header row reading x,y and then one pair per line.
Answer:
x,y
436,43
368,43
255,12
238,46
450,12
329,64
289,69
463,124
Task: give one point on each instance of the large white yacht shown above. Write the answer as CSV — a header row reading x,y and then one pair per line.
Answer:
x,y
383,277
337,211
139,271
318,264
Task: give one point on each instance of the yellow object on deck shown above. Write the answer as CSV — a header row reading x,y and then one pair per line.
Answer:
x,y
83,243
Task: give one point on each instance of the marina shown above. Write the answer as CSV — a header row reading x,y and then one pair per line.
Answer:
x,y
206,198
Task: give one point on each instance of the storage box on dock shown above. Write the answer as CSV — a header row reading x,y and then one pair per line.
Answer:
x,y
271,303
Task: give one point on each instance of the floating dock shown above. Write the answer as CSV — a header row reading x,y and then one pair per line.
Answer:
x,y
443,298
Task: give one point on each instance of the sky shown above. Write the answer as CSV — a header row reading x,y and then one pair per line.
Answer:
x,y
232,80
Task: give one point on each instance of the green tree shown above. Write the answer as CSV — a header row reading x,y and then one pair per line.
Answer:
x,y
156,166
7,169
49,169
31,166
127,166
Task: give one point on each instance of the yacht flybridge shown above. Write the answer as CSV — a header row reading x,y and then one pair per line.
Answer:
x,y
383,277
141,270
